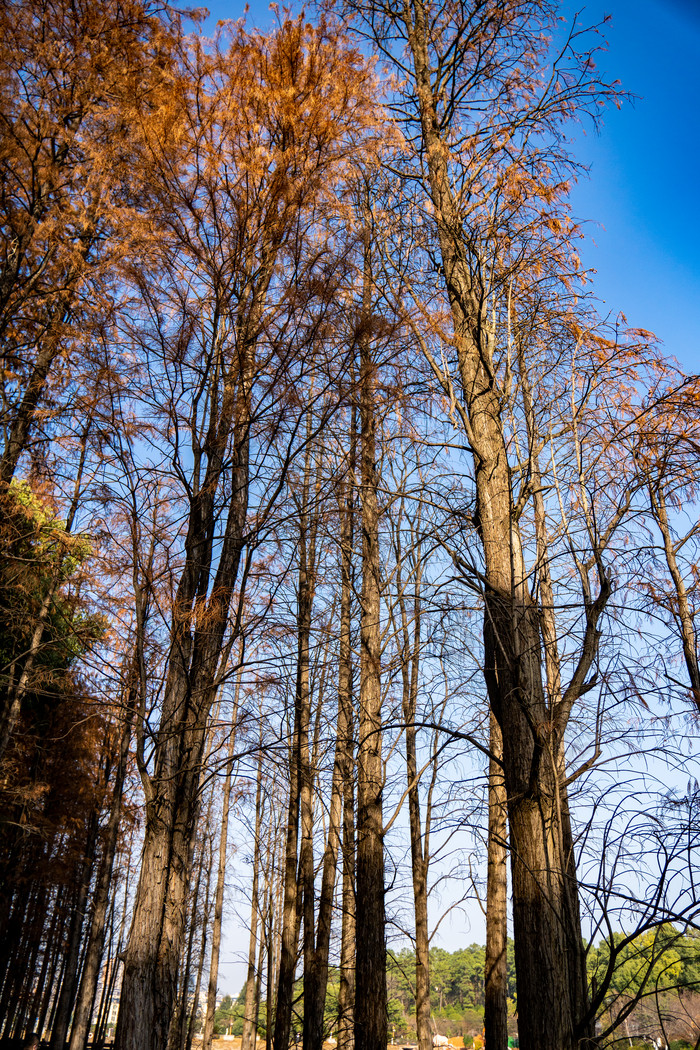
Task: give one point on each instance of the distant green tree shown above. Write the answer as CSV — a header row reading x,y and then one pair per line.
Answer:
x,y
652,961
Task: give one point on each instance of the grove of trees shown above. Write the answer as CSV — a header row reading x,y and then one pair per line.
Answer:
x,y
349,549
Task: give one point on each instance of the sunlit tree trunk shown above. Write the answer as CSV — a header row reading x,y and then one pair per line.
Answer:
x,y
299,872
409,631
346,990
370,990
512,651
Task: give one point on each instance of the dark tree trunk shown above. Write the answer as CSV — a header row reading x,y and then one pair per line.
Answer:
x,y
346,989
496,960
370,993
409,630
252,986
316,980
69,984
208,1031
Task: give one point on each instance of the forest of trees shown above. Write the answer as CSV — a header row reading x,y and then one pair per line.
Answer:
x,y
350,548
458,983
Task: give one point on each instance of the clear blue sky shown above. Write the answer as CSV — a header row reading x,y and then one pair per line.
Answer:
x,y
643,190
642,200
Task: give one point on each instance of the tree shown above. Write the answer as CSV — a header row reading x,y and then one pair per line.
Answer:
x,y
264,132
71,76
482,123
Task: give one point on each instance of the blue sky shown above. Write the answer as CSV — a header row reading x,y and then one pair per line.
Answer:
x,y
641,202
642,196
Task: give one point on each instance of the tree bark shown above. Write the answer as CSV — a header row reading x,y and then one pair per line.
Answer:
x,y
512,654
371,993
152,957
250,1016
495,959
316,981
346,989
208,1031
420,843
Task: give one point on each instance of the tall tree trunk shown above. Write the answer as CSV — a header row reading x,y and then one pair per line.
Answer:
x,y
289,935
208,1031
512,653
307,773
346,989
316,981
496,958
420,857
584,1022
178,1030
192,1018
371,993
49,997
252,985
35,1008
299,886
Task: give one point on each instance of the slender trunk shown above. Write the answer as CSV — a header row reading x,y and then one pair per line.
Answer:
x,y
371,993
111,975
57,983
25,907
346,990
419,848
316,983
258,991
252,979
19,1023
571,916
299,891
179,1024
410,634
220,881
289,936
274,904
35,1008
100,1021
307,787
271,983
495,960
53,971
191,1021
